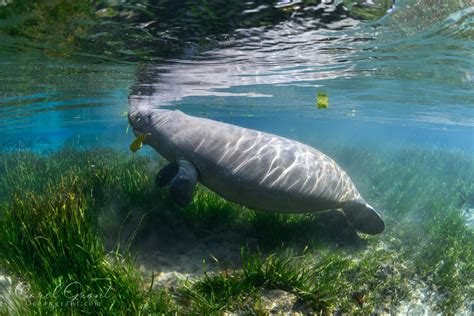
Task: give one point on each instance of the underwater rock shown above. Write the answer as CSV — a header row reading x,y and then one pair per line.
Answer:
x,y
172,279
277,301
4,281
5,285
9,292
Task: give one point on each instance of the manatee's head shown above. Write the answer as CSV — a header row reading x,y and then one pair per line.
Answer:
x,y
363,217
140,119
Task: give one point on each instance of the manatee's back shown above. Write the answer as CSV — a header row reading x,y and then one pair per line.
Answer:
x,y
261,170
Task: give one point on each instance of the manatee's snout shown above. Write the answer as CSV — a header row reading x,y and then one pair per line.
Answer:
x,y
139,119
364,217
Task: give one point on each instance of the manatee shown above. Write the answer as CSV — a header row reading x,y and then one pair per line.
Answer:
x,y
259,170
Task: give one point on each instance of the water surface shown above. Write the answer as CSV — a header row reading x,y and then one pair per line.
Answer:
x,y
401,78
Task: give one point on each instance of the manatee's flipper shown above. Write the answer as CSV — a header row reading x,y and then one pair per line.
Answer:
x,y
166,174
183,184
363,217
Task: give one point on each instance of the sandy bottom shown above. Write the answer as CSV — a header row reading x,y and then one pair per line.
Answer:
x,y
183,261
175,255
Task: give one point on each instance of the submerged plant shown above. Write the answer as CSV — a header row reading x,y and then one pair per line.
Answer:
x,y
57,211
49,240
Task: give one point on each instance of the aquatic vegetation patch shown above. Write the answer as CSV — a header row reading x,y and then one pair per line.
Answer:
x,y
54,23
62,216
49,241
425,192
210,213
410,182
442,254
322,282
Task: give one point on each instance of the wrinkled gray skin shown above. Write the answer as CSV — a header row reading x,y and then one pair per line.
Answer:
x,y
259,170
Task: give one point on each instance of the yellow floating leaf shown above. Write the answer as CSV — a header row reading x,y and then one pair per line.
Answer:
x,y
138,142
322,100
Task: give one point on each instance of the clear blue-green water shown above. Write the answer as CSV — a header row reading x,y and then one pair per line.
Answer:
x,y
400,121
403,79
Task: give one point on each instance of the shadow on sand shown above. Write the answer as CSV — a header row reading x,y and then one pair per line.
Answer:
x,y
170,239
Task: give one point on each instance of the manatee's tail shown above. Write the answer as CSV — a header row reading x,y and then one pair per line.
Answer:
x,y
363,217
